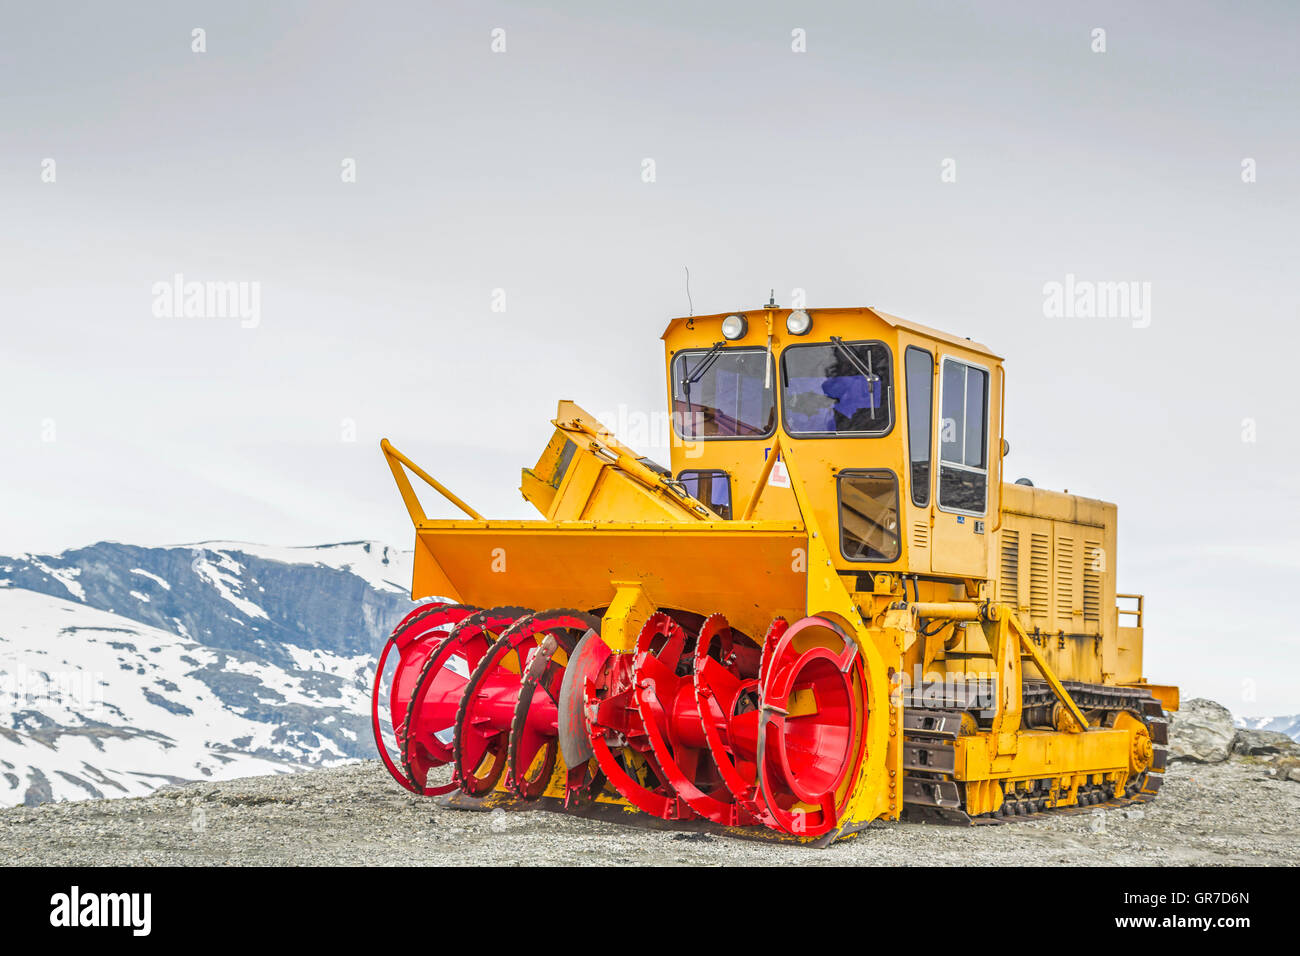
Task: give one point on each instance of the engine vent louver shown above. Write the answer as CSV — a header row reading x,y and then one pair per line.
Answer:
x,y
1064,576
1040,559
1093,568
1009,573
920,536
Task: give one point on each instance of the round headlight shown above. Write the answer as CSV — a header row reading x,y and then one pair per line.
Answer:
x,y
734,327
798,322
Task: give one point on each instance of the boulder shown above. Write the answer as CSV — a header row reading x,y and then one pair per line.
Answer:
x,y
1264,743
1202,731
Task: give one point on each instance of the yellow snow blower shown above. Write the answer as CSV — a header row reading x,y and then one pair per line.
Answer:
x,y
831,608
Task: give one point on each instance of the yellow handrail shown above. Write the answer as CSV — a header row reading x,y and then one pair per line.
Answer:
x,y
1135,612
395,461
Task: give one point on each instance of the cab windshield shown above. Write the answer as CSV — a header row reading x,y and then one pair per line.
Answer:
x,y
724,393
837,388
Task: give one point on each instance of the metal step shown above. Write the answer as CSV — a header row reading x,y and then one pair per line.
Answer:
x,y
919,722
929,756
931,793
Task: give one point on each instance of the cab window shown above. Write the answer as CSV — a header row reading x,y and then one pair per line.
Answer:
x,y
919,368
837,388
868,515
963,437
723,393
711,487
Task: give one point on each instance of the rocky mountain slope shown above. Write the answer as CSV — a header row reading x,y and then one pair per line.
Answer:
x,y
125,668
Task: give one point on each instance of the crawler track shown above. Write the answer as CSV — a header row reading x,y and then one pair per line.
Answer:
x,y
932,794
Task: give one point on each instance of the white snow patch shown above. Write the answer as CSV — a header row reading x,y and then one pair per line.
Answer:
x,y
382,566
152,577
65,576
223,574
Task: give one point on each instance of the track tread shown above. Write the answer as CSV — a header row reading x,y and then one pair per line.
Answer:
x,y
1137,701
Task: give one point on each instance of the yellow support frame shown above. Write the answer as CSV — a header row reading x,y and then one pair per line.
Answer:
x,y
876,791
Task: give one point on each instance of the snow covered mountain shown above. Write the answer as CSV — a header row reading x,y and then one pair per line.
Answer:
x,y
1287,725
125,668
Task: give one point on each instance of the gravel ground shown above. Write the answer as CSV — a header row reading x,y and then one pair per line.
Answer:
x,y
1212,814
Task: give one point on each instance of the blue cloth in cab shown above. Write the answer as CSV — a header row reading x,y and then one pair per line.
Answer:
x,y
851,393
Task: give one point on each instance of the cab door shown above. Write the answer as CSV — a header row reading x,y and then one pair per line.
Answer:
x,y
962,475
919,378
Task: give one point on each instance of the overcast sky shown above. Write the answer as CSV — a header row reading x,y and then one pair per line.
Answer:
x,y
942,161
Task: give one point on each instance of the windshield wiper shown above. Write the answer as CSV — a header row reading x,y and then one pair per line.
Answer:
x,y
871,377
710,357
704,365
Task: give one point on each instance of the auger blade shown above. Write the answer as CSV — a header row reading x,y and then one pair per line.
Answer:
x,y
585,662
533,748
812,726
486,707
617,732
429,728
673,721
726,690
486,718
414,638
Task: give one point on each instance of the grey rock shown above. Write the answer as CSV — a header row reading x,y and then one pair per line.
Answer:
x,y
1260,743
1201,731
